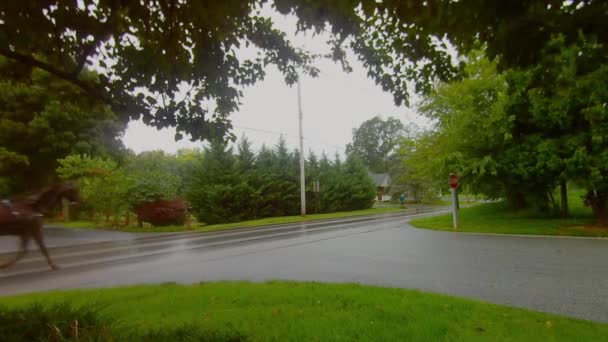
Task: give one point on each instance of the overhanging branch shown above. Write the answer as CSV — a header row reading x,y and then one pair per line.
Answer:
x,y
70,77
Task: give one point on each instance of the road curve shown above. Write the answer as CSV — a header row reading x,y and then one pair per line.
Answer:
x,y
567,276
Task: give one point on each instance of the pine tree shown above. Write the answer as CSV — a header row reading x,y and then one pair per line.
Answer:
x,y
312,166
359,188
312,175
265,171
246,156
216,191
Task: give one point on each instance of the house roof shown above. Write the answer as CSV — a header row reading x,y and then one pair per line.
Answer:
x,y
381,179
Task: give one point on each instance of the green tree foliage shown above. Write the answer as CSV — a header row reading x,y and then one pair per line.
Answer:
x,y
249,178
312,166
375,142
8,162
416,173
280,183
104,186
43,119
232,187
155,175
347,186
401,41
560,111
114,190
246,156
470,136
523,132
147,52
216,192
145,49
260,186
159,61
187,160
476,135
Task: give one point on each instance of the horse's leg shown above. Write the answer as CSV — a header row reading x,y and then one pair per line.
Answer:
x,y
37,235
25,238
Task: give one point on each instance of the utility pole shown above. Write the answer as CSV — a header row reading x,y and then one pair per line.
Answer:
x,y
302,176
453,181
455,208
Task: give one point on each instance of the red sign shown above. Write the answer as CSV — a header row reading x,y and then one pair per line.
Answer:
x,y
453,180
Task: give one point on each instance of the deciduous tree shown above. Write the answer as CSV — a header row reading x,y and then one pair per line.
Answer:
x,y
375,142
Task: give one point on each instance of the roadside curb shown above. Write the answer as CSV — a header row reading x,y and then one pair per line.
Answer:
x,y
536,236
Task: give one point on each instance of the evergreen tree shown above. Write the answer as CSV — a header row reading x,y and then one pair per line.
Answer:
x,y
312,166
283,158
285,181
265,159
216,188
246,156
228,187
249,178
359,190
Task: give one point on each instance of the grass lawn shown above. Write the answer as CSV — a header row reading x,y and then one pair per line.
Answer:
x,y
242,224
497,218
293,311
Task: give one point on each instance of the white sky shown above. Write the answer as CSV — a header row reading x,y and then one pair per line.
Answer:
x,y
333,104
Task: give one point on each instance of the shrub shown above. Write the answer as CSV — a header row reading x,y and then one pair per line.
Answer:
x,y
58,322
64,322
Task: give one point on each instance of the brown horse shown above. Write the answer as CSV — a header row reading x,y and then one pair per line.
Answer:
x,y
23,217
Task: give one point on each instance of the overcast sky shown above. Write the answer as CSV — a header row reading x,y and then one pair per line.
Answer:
x,y
333,104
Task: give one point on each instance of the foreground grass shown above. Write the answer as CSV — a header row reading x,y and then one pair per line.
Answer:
x,y
242,224
291,311
499,219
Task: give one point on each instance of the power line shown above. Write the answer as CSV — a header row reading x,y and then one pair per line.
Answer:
x,y
314,141
263,130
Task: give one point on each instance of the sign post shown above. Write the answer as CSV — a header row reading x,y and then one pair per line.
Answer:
x,y
453,181
316,189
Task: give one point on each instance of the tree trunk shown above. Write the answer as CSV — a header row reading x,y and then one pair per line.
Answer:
x,y
188,222
598,202
107,217
127,219
65,210
601,215
516,199
555,206
564,196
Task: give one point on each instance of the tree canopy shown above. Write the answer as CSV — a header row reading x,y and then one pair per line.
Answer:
x,y
524,131
529,116
375,142
42,119
166,62
176,63
230,186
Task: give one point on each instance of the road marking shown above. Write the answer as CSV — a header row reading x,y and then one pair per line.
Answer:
x,y
133,249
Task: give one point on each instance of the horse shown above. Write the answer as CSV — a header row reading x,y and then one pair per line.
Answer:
x,y
23,217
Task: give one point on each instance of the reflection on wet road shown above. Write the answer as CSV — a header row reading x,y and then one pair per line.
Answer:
x,y
562,275
140,246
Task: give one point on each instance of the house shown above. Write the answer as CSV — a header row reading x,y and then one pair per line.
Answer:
x,y
383,184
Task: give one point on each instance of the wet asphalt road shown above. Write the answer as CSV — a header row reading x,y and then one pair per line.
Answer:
x,y
567,276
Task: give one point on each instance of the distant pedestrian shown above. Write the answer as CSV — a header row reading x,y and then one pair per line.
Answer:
x,y
402,200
